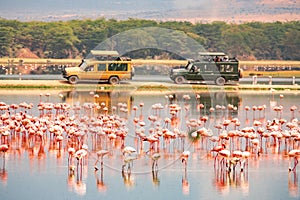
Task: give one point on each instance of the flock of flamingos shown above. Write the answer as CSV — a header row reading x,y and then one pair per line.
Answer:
x,y
70,129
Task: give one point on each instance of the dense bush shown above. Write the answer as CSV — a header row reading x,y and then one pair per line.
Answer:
x,y
75,38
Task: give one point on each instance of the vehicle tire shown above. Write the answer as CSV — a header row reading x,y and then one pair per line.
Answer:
x,y
220,81
73,79
114,80
179,79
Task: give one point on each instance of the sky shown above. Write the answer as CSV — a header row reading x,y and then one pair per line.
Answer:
x,y
172,9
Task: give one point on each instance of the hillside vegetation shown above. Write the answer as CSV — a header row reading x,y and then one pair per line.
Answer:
x,y
75,38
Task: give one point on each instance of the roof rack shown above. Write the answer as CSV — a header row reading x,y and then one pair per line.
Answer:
x,y
212,54
104,53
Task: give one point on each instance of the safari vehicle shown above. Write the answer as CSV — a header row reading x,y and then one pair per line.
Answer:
x,y
112,71
212,66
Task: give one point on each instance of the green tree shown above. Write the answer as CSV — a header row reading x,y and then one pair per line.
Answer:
x,y
60,41
6,41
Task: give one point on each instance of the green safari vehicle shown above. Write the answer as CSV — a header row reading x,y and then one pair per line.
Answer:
x,y
212,66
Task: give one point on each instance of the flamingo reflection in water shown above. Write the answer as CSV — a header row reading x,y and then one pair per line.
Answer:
x,y
101,186
127,178
293,184
3,176
185,183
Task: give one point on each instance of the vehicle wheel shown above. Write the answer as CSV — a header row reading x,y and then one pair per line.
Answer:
x,y
179,79
114,80
73,79
220,81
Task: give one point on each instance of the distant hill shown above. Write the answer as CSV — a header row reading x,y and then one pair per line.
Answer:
x,y
188,10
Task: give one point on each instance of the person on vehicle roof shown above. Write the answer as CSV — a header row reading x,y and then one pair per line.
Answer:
x,y
217,59
225,58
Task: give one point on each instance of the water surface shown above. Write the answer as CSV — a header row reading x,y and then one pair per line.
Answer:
x,y
40,170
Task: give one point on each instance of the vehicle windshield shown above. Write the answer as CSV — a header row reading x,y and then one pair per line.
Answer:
x,y
83,64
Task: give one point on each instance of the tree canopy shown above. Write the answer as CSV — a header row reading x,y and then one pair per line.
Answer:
x,y
75,38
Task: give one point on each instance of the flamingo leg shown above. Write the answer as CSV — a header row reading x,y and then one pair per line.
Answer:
x,y
95,165
295,163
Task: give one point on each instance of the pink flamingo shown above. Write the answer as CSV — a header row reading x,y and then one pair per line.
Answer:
x,y
100,154
3,149
294,154
155,158
292,109
217,149
184,158
225,155
247,108
134,108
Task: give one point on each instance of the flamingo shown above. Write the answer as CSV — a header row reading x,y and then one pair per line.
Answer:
x,y
226,123
141,108
155,157
256,148
235,159
247,108
225,154
80,155
134,108
100,154
244,162
128,150
71,152
129,155
47,95
184,158
128,160
294,154
292,109
3,149
217,149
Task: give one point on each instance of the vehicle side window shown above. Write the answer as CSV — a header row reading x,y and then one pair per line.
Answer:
x,y
226,68
122,67
205,68
118,67
89,68
112,67
101,67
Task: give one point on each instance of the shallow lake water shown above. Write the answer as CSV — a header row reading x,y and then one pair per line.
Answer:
x,y
39,169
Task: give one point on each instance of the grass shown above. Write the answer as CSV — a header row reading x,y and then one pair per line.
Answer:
x,y
151,87
275,74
